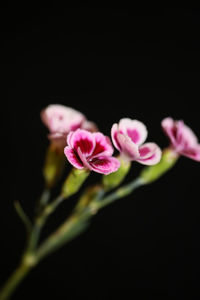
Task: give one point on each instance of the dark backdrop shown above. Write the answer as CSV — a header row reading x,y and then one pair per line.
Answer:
x,y
107,63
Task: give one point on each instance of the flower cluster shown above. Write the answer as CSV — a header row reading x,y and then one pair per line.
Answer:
x,y
74,138
86,148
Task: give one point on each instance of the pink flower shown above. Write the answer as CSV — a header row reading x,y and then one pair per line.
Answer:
x,y
92,151
182,138
128,137
60,120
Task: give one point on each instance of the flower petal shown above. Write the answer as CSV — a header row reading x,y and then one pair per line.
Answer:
x,y
114,132
103,145
185,135
180,135
193,153
128,149
170,129
150,154
105,165
135,129
82,139
90,126
69,136
83,159
60,118
73,158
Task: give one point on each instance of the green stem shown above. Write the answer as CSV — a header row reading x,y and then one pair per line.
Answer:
x,y
44,199
40,220
17,276
23,216
79,219
71,228
119,193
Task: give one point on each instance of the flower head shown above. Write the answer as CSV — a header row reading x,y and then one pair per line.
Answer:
x,y
182,138
60,120
128,137
92,151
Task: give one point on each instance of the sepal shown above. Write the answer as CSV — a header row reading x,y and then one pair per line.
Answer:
x,y
152,173
53,166
74,181
114,179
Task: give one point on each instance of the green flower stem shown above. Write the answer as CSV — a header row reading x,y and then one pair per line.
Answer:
x,y
71,228
89,204
40,221
18,275
24,218
44,199
29,258
117,194
71,185
79,220
91,194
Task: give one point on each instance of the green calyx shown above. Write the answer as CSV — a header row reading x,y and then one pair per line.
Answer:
x,y
74,181
53,166
114,179
152,173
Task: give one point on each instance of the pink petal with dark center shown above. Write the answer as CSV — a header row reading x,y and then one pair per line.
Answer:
x,y
135,129
60,118
83,159
193,153
150,154
128,149
103,145
105,165
73,158
181,136
185,135
84,140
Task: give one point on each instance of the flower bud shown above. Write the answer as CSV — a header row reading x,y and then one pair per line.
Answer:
x,y
114,179
152,173
53,166
74,181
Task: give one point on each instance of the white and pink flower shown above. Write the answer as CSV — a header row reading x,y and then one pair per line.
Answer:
x,y
60,120
92,151
182,138
128,137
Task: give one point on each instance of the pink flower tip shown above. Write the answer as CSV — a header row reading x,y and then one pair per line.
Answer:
x,y
128,137
60,120
92,151
182,138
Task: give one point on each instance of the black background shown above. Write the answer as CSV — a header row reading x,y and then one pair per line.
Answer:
x,y
108,63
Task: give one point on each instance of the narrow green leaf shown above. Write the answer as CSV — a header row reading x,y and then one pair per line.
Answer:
x,y
24,218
